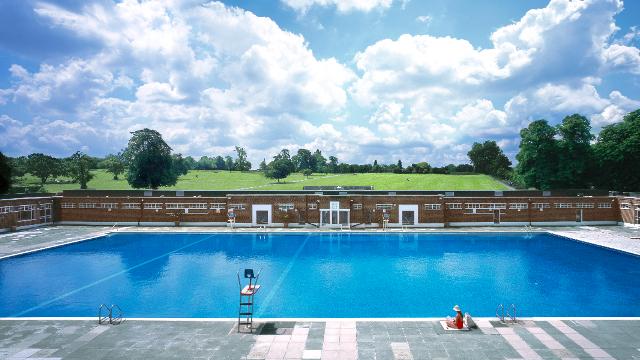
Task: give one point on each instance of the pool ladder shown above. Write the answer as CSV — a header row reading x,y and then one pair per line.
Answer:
x,y
247,294
110,315
502,313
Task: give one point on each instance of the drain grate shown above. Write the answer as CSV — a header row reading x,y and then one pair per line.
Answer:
x,y
275,328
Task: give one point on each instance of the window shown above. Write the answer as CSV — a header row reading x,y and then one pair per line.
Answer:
x,y
86,205
357,206
604,206
5,209
486,206
313,206
67,205
174,206
109,205
432,206
584,206
452,206
26,212
152,206
218,206
384,206
562,205
625,206
518,206
285,207
131,206
541,205
236,206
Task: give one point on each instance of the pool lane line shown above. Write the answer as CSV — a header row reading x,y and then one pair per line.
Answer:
x,y
49,302
280,280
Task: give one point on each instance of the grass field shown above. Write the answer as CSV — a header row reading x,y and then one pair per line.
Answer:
x,y
225,180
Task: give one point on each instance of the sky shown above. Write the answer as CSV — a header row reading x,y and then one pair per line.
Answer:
x,y
364,80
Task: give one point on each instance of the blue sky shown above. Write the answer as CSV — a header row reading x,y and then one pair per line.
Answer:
x,y
359,79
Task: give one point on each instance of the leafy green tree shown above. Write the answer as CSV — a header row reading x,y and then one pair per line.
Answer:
x,y
241,163
333,164
488,158
307,172
79,168
228,163
150,162
190,163
5,174
618,154
280,167
18,166
115,164
263,165
575,154
538,156
320,162
206,163
219,163
303,160
179,165
44,166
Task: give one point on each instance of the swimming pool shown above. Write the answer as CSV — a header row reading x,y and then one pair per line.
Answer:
x,y
323,275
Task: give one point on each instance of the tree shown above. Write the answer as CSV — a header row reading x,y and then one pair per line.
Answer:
x,y
376,167
18,166
79,166
206,163
5,174
617,152
228,163
333,164
304,160
150,162
115,164
307,172
43,166
263,165
488,158
219,163
538,156
575,154
190,163
241,163
179,165
319,161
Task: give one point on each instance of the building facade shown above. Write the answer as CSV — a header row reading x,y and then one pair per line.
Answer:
x,y
324,209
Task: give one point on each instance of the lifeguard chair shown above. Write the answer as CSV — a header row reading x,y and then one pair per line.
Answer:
x,y
247,293
231,217
385,219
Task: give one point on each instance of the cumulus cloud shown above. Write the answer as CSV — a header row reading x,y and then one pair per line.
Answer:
x,y
341,5
211,76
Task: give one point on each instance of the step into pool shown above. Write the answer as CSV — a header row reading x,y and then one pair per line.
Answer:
x,y
332,274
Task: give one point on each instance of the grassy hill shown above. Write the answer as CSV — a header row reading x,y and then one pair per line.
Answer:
x,y
225,180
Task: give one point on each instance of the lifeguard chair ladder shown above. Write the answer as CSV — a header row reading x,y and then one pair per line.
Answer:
x,y
247,293
385,219
232,217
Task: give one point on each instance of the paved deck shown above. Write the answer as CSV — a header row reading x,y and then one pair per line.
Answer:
x,y
335,340
332,339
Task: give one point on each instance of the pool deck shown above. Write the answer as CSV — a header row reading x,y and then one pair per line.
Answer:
x,y
540,338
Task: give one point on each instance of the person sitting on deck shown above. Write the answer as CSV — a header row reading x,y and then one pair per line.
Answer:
x,y
456,323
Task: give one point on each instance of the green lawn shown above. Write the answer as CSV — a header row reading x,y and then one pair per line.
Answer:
x,y
225,180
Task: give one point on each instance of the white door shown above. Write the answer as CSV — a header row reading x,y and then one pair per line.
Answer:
x,y
408,215
261,214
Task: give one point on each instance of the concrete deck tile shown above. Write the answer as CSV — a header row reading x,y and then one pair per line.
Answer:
x,y
312,354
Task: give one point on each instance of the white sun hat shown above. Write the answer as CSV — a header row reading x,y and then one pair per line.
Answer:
x,y
456,308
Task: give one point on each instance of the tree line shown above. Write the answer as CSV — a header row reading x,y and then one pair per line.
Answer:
x,y
550,157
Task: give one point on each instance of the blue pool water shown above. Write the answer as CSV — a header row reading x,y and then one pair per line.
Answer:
x,y
323,275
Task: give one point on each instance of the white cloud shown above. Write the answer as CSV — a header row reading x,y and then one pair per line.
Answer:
x,y
425,19
342,5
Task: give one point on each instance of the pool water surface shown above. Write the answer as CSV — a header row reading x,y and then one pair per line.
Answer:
x,y
331,274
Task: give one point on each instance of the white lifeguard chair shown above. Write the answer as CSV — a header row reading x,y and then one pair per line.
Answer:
x,y
385,219
231,217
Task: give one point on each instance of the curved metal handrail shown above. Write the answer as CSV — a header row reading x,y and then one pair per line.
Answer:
x,y
500,312
107,317
118,318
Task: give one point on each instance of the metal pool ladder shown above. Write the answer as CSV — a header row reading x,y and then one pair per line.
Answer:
x,y
247,293
502,313
110,315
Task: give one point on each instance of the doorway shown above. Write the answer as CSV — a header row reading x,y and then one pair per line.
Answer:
x,y
408,215
261,215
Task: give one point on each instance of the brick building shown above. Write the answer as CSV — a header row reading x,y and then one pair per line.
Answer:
x,y
332,208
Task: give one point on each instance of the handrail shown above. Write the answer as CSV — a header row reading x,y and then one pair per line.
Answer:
x,y
500,312
514,316
115,320
103,319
